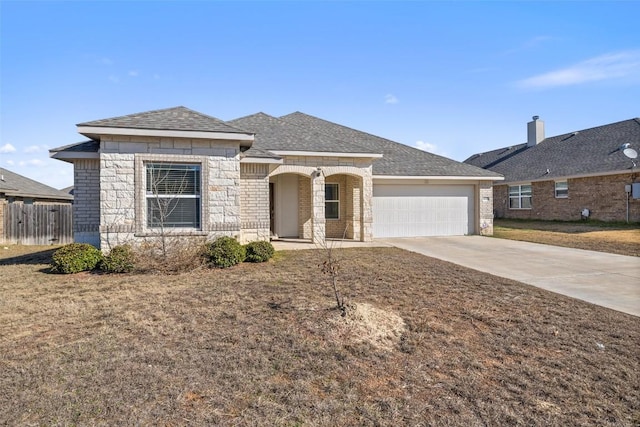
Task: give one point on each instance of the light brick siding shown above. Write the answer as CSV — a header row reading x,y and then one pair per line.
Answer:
x,y
337,228
604,196
122,183
86,201
254,202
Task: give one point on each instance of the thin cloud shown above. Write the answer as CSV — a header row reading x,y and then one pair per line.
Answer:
x,y
114,79
532,43
35,148
7,148
390,99
605,67
10,162
426,146
31,162
134,73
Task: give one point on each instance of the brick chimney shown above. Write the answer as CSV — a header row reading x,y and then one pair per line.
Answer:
x,y
535,132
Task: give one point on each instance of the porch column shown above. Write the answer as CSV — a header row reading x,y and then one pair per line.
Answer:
x,y
318,230
367,208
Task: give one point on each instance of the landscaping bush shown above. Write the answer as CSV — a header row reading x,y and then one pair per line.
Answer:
x,y
121,259
224,252
259,251
75,257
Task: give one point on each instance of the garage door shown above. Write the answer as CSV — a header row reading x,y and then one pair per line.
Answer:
x,y
422,210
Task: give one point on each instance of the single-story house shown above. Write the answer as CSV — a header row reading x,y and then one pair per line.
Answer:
x,y
31,212
259,177
591,173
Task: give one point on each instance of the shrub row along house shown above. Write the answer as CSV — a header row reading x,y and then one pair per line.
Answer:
x,y
254,178
32,212
592,173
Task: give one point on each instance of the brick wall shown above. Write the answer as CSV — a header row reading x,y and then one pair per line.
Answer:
x,y
254,202
604,196
335,228
86,201
304,207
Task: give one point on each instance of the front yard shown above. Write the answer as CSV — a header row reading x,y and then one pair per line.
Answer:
x,y
259,344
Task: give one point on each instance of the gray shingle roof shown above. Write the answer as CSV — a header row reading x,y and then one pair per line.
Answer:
x,y
586,152
13,184
90,146
398,159
275,134
176,118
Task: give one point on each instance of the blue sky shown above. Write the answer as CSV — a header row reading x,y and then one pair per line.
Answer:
x,y
454,78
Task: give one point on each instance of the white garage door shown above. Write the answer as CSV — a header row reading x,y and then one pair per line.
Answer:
x,y
422,210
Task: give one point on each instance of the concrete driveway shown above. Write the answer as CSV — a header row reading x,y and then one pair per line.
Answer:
x,y
608,280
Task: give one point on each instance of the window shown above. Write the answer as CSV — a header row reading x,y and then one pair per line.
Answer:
x,y
331,201
562,190
173,195
520,196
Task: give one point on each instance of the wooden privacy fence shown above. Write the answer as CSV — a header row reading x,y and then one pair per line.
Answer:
x,y
39,224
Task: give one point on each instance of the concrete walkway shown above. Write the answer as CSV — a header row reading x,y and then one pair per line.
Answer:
x,y
612,281
604,279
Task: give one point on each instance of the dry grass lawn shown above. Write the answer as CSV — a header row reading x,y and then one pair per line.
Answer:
x,y
621,239
425,342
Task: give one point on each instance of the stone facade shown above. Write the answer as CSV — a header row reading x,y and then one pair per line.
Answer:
x,y
123,191
485,197
604,196
3,203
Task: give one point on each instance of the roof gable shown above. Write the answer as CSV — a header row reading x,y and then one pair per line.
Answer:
x,y
398,159
176,119
13,184
587,152
274,134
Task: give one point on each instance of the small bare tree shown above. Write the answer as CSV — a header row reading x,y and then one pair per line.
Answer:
x,y
330,266
168,184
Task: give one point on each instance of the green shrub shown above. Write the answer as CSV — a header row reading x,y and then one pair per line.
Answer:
x,y
259,251
121,259
75,257
224,252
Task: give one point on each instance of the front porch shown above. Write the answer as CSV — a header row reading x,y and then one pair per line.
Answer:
x,y
319,203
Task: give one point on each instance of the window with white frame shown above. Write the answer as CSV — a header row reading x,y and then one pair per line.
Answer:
x,y
331,201
173,195
562,189
520,196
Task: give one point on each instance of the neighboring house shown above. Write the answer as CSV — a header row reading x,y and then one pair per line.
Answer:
x,y
32,212
591,173
260,177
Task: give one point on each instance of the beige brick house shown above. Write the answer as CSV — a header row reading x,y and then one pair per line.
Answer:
x,y
181,172
591,173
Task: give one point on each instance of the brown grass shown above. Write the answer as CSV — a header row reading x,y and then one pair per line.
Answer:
x,y
257,345
621,239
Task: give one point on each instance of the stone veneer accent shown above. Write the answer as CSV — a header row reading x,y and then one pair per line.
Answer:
x,y
86,201
122,186
254,202
604,196
3,203
485,199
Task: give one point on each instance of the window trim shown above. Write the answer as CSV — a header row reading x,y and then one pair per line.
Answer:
x,y
520,195
196,195
141,228
336,201
565,189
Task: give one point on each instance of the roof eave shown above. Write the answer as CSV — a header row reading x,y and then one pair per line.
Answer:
x,y
439,177
94,132
326,154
